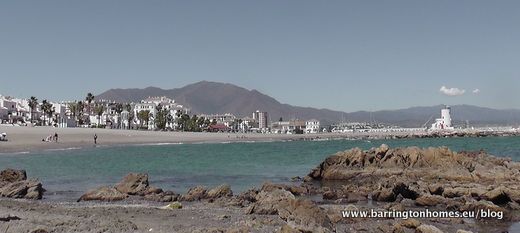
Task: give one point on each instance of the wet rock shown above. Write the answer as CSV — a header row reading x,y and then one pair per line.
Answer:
x,y
11,175
104,193
162,197
427,229
14,184
304,215
29,189
195,194
133,184
152,190
220,191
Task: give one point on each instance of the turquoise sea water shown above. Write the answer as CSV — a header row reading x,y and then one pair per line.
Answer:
x,y
67,174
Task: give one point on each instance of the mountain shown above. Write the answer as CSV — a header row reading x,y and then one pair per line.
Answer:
x,y
212,97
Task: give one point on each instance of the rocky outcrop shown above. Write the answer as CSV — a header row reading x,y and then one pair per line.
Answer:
x,y
304,215
196,193
300,215
220,191
14,184
104,193
427,176
267,202
132,185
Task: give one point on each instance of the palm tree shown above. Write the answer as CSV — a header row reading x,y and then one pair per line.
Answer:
x,y
119,108
47,109
143,116
80,110
89,100
33,103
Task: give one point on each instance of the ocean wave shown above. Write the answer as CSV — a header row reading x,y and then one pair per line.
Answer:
x,y
62,149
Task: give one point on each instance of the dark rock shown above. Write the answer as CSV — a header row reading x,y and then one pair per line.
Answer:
x,y
330,195
161,197
305,216
436,189
405,191
499,196
133,184
195,194
268,202
152,190
103,194
29,189
220,191
384,195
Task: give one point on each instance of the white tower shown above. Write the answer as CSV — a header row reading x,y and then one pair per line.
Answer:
x,y
446,117
443,123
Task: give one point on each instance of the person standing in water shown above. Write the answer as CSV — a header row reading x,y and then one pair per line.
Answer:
x,y
95,138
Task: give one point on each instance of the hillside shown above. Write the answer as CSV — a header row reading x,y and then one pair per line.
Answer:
x,y
213,97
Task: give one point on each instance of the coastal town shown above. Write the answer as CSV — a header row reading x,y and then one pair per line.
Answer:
x,y
152,113
164,114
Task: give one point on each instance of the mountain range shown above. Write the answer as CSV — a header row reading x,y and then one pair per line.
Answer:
x,y
213,97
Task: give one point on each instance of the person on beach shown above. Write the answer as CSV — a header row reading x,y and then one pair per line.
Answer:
x,y
55,137
95,138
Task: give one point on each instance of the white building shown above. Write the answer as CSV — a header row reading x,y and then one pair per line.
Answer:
x,y
226,119
443,123
151,104
14,110
262,118
312,126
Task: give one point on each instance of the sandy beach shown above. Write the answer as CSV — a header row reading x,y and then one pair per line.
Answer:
x,y
27,139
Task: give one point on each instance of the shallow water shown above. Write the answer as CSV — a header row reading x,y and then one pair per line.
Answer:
x,y
68,173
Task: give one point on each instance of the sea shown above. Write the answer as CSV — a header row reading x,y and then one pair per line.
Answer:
x,y
68,173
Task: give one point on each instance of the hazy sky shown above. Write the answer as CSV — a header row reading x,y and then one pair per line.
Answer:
x,y
344,55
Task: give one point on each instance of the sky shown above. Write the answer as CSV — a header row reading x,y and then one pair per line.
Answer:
x,y
341,55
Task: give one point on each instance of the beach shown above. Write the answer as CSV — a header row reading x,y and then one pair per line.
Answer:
x,y
28,139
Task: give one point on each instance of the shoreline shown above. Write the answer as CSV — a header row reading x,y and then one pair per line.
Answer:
x,y
312,203
29,139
